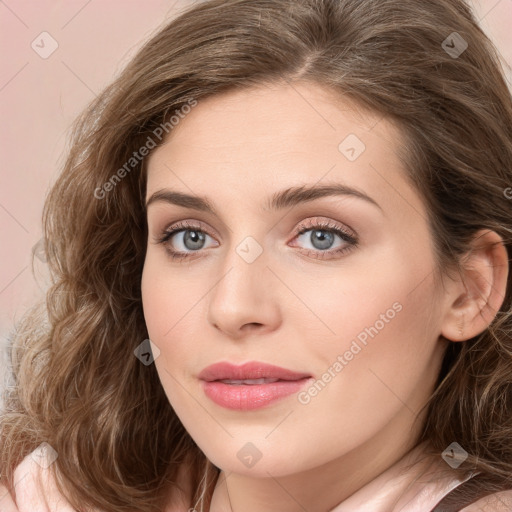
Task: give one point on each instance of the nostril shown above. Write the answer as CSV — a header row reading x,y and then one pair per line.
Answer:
x,y
252,325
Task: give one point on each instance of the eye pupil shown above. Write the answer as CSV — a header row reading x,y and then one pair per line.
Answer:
x,y
324,238
195,237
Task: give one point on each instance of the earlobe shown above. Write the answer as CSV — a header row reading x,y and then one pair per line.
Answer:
x,y
477,296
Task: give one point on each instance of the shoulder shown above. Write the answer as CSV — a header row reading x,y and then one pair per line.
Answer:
x,y
36,489
497,502
6,500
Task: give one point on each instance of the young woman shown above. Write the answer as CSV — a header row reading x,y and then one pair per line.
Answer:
x,y
306,206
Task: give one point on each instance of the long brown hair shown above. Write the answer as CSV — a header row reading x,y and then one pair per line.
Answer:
x,y
78,385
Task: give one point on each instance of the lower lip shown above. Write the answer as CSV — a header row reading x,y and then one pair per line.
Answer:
x,y
245,397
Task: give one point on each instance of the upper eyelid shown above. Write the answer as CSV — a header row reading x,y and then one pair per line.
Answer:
x,y
328,225
187,224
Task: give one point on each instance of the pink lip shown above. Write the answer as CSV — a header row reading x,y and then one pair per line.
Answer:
x,y
249,396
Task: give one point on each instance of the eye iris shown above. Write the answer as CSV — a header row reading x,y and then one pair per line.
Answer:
x,y
324,238
195,237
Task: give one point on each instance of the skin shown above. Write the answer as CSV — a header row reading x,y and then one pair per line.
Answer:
x,y
294,306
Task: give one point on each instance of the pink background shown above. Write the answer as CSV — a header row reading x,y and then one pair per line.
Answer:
x,y
39,98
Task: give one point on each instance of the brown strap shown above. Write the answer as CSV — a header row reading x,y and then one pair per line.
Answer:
x,y
467,493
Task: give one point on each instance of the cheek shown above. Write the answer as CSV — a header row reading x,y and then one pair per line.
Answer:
x,y
382,308
168,298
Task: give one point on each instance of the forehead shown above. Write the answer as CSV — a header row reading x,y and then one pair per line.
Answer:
x,y
248,142
279,116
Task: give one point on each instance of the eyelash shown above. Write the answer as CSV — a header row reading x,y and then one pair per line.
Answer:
x,y
312,226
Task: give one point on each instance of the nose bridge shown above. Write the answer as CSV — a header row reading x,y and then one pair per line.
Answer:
x,y
244,270
243,294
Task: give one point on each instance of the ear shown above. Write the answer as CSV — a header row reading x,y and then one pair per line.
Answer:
x,y
476,296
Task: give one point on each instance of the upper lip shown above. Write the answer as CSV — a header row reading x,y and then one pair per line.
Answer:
x,y
252,370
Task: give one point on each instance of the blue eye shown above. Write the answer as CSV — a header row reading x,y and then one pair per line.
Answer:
x,y
322,237
193,240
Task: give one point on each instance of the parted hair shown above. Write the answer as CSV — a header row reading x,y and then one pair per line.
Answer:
x,y
76,383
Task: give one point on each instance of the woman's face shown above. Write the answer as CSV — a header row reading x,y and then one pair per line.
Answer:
x,y
350,304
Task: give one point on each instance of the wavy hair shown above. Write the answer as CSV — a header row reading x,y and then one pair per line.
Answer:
x,y
76,382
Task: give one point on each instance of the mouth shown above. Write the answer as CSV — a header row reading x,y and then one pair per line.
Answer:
x,y
250,386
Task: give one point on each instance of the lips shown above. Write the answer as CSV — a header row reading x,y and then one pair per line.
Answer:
x,y
251,385
247,372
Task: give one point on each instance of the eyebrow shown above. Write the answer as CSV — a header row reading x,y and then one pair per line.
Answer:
x,y
283,199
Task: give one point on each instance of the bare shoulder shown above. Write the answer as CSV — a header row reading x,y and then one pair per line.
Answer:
x,y
498,502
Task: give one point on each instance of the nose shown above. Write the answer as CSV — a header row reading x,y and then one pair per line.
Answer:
x,y
245,299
